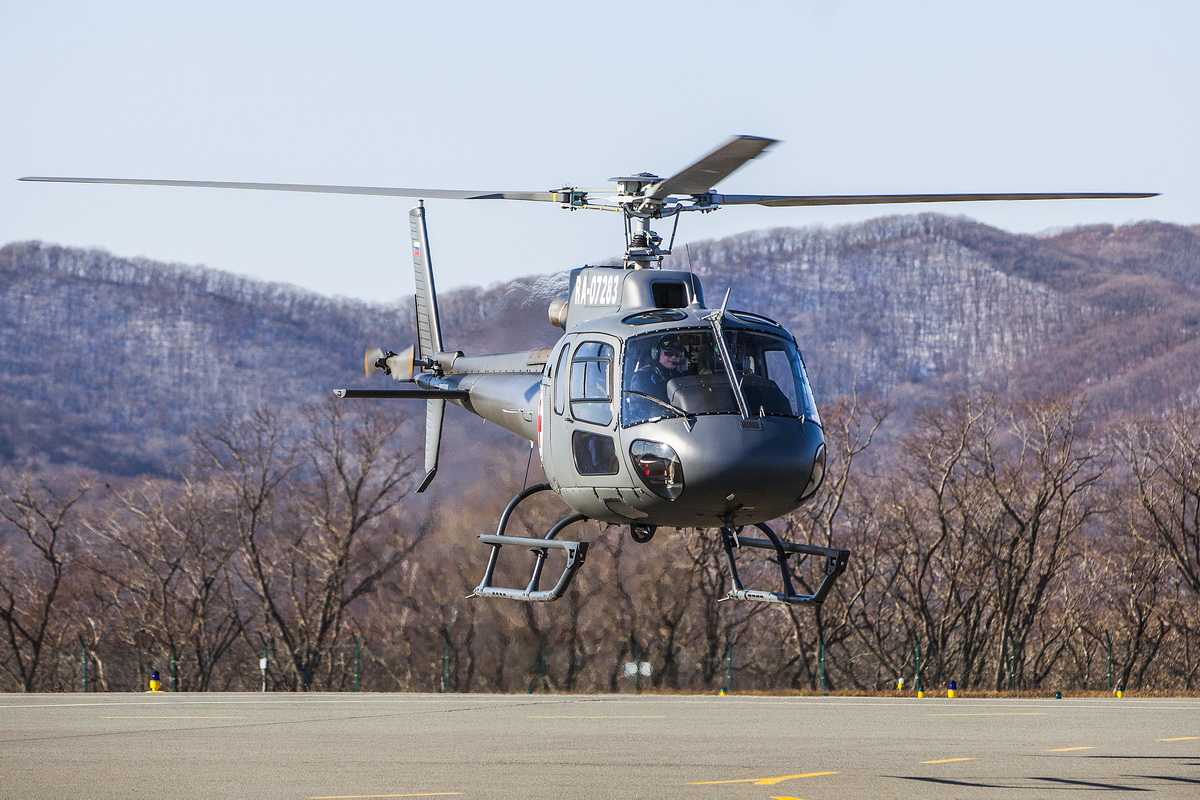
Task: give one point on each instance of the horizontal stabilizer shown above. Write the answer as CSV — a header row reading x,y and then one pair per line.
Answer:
x,y
402,394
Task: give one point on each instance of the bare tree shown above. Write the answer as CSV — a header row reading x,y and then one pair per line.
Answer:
x,y
831,520
1164,457
168,550
317,520
1046,483
1005,491
36,552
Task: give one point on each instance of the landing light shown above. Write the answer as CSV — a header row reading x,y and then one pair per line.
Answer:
x,y
818,475
659,467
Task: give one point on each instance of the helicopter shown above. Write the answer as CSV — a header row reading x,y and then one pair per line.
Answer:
x,y
654,409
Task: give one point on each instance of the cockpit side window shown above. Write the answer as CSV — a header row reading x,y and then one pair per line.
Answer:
x,y
772,375
778,368
591,383
560,381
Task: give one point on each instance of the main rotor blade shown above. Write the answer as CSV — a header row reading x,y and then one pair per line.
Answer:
x,y
444,194
881,199
710,170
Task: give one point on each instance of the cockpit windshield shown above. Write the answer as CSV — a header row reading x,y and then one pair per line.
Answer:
x,y
681,373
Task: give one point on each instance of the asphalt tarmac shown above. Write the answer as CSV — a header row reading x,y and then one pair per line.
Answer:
x,y
305,747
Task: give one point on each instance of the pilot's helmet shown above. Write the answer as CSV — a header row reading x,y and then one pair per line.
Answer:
x,y
668,341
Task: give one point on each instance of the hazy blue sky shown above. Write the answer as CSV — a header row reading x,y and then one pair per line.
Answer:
x,y
867,97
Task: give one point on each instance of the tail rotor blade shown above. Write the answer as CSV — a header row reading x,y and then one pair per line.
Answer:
x,y
371,360
402,364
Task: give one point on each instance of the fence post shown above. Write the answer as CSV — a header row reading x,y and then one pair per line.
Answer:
x,y
637,672
545,668
357,664
174,669
1108,635
728,666
920,689
85,669
446,664
1012,663
823,683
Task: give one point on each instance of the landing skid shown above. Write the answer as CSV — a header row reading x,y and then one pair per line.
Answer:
x,y
835,565
576,552
532,593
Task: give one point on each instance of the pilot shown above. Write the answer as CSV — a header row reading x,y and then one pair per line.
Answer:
x,y
668,360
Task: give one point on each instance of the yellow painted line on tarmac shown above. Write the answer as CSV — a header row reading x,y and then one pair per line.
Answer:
x,y
599,716
1180,739
765,781
947,760
998,714
1068,749
358,797
147,716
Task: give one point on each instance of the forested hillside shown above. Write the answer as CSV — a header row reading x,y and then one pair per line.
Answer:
x,y
1015,463
904,301
111,363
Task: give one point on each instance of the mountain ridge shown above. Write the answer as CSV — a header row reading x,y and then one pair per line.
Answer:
x,y
136,355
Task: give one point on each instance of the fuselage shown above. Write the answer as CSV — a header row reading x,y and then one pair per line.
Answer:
x,y
730,437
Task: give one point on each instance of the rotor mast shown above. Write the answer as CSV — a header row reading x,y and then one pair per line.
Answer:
x,y
642,245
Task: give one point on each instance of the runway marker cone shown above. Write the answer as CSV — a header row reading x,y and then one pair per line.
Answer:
x,y
155,683
952,692
1121,690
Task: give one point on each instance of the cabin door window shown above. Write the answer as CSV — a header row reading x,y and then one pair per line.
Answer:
x,y
591,383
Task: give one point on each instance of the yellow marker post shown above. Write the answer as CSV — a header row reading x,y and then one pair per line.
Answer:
x,y
952,692
155,683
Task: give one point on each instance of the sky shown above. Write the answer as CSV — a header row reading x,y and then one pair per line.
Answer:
x,y
866,97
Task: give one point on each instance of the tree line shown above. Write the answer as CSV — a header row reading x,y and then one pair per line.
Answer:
x,y
1005,544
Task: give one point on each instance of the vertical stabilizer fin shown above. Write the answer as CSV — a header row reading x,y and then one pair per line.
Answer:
x,y
429,327
435,412
429,334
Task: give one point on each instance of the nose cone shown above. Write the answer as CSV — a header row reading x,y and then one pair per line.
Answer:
x,y
748,471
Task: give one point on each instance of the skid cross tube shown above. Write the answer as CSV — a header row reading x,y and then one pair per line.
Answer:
x,y
532,593
835,565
